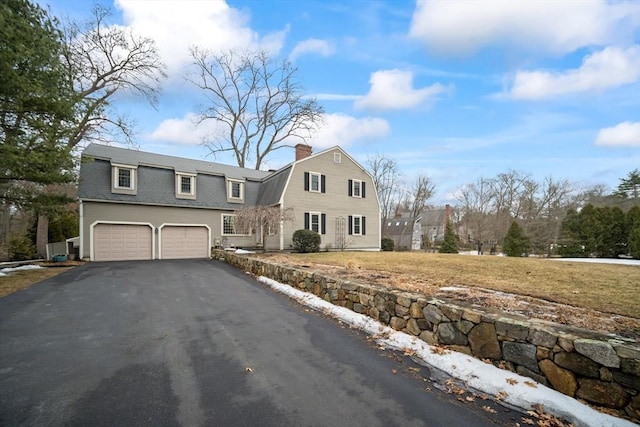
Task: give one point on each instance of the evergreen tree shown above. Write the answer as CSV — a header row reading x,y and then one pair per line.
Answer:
x,y
36,107
450,244
35,99
632,227
629,187
515,242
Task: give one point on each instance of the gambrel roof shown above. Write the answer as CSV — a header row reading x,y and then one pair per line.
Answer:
x,y
157,173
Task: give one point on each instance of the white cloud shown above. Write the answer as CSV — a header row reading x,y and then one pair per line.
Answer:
x,y
318,46
602,70
212,25
344,130
185,131
622,134
462,27
393,90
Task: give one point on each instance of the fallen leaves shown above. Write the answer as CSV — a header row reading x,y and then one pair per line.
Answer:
x,y
437,349
542,419
512,381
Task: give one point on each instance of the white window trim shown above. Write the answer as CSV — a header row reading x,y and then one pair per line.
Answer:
x,y
319,175
179,192
230,197
222,226
319,215
337,158
115,184
353,188
353,225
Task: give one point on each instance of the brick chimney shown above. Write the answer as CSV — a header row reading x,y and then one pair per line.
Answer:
x,y
303,151
447,214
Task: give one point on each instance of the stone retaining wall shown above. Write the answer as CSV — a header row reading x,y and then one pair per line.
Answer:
x,y
600,369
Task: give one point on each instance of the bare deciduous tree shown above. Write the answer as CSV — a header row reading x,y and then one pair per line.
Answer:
x,y
265,220
258,101
476,199
387,179
103,60
419,194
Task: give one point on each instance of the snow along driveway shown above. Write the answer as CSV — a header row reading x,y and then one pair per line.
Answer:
x,y
513,389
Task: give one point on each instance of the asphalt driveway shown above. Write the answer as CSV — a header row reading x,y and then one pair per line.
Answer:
x,y
197,342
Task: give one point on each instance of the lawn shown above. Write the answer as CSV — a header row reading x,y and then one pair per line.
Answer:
x,y
23,279
603,287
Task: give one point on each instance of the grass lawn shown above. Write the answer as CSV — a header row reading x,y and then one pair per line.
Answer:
x,y
603,287
23,279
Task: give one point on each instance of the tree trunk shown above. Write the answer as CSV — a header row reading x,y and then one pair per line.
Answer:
x,y
42,236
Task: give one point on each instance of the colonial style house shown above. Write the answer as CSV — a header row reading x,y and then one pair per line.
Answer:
x,y
136,205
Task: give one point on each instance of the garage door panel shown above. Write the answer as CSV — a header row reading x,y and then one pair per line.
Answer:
x,y
119,242
184,242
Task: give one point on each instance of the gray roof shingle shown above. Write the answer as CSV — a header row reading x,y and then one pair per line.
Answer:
x,y
179,164
156,179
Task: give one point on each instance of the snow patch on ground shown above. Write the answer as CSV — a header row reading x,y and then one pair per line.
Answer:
x,y
7,270
619,261
476,374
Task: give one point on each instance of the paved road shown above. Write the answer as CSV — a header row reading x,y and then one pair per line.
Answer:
x,y
171,342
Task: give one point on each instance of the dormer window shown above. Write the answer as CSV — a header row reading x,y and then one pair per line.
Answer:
x,y
185,185
123,179
235,191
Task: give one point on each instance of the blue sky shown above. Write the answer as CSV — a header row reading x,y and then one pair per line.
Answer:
x,y
455,90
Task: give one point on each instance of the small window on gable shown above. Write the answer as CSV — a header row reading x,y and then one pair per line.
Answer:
x,y
185,186
337,158
124,179
235,191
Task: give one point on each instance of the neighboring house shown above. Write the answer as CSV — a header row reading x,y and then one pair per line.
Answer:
x,y
138,205
419,233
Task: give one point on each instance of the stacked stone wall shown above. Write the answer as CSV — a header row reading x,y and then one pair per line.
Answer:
x,y
601,369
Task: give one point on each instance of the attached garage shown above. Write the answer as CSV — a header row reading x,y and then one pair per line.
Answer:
x,y
122,242
184,241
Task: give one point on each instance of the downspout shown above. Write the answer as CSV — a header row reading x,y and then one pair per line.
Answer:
x,y
281,228
82,233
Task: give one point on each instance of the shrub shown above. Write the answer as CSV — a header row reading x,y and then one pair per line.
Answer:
x,y
20,248
634,242
306,241
387,244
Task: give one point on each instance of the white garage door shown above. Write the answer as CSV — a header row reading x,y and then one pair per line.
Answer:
x,y
184,242
119,242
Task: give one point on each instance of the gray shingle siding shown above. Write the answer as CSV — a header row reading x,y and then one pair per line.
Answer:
x,y
272,187
157,186
156,179
178,164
